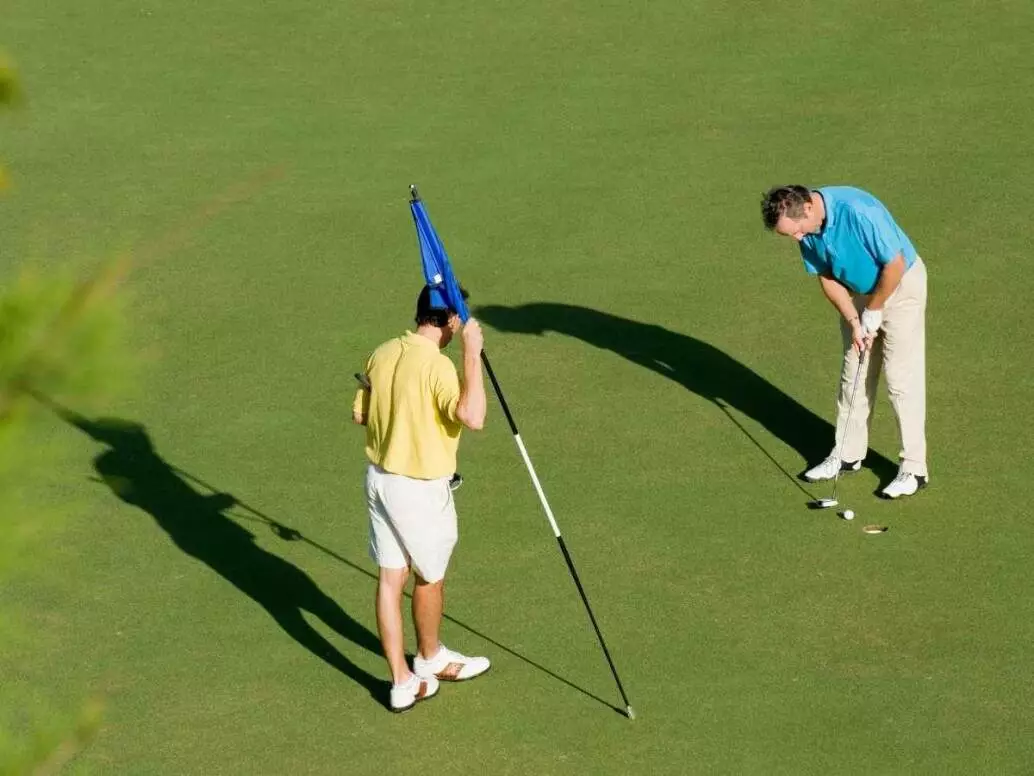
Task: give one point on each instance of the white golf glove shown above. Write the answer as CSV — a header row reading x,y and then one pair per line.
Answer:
x,y
871,321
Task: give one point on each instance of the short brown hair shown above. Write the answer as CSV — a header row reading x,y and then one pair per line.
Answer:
x,y
782,201
427,313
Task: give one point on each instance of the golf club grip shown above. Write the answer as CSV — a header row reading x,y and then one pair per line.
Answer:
x,y
499,393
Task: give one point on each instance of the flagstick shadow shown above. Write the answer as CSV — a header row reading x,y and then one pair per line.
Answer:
x,y
290,534
701,368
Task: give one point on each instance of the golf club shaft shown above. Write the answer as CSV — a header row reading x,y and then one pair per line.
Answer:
x,y
847,423
556,529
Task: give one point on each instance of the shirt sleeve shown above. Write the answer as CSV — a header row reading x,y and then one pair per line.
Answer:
x,y
445,386
878,237
813,265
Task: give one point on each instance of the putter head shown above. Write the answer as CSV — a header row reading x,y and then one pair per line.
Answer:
x,y
823,503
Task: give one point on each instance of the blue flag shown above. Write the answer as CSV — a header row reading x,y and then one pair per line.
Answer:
x,y
438,275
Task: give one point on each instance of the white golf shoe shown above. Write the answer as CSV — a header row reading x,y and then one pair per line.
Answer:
x,y
449,666
828,469
905,484
417,688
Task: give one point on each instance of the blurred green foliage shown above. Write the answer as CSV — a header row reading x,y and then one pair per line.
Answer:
x,y
60,336
10,94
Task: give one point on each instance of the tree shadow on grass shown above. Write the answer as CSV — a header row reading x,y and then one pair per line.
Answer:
x,y
701,368
198,525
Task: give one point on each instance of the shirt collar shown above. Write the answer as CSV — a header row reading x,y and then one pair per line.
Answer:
x,y
412,338
828,206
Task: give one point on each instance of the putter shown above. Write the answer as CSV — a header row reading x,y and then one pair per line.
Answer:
x,y
828,503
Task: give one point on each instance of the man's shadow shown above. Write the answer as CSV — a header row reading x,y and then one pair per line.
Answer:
x,y
196,523
702,368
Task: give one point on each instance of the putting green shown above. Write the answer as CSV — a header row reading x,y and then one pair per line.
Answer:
x,y
594,171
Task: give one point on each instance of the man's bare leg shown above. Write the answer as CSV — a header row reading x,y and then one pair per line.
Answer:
x,y
390,585
428,603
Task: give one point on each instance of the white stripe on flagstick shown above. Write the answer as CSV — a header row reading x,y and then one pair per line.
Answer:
x,y
538,486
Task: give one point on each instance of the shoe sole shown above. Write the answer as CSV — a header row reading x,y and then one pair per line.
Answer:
x,y
404,709
888,497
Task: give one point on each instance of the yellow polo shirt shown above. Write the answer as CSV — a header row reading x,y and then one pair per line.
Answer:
x,y
410,409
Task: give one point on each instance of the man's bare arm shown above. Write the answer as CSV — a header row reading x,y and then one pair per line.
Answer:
x,y
473,404
890,278
840,298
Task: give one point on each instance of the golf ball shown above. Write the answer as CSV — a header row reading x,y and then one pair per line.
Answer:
x,y
847,514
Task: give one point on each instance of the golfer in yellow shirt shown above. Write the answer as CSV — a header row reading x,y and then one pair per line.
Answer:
x,y
414,407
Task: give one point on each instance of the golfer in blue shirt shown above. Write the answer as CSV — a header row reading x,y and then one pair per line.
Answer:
x,y
870,272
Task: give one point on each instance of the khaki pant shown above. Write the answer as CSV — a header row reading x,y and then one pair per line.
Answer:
x,y
900,350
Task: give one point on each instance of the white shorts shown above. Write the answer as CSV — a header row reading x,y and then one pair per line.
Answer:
x,y
412,522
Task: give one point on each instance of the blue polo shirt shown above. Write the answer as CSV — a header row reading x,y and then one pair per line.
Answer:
x,y
859,237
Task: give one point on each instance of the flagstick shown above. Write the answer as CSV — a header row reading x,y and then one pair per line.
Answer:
x,y
438,274
556,529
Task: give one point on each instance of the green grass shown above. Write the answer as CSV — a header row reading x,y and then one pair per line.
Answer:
x,y
615,154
